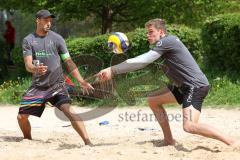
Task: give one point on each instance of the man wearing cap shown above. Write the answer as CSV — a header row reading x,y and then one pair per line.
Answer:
x,y
43,52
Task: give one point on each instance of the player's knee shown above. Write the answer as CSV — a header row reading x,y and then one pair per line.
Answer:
x,y
69,112
65,108
153,101
149,100
22,117
190,127
153,104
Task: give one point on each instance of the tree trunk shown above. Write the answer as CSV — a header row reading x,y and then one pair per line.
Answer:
x,y
107,18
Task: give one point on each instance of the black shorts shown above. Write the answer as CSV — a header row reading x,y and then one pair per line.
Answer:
x,y
189,95
34,99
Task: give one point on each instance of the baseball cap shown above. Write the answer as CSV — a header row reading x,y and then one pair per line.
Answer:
x,y
44,14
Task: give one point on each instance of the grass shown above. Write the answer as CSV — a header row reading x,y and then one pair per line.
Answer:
x,y
225,89
224,92
11,91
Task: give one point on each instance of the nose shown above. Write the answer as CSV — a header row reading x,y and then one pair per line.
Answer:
x,y
148,36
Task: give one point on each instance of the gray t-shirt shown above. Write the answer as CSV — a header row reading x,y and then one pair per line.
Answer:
x,y
47,50
178,64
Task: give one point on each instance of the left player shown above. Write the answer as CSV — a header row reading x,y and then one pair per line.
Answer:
x,y
43,51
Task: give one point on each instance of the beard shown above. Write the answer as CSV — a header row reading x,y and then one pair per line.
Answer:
x,y
46,29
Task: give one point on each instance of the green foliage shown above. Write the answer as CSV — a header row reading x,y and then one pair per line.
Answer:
x,y
191,13
18,70
17,56
2,43
114,13
191,38
96,46
12,91
232,6
221,42
224,88
3,65
3,72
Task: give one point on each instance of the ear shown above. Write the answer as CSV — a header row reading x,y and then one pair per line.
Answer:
x,y
161,31
37,20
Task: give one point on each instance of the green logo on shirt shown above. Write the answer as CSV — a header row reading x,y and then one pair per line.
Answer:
x,y
43,54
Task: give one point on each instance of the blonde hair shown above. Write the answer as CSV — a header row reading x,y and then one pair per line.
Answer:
x,y
157,23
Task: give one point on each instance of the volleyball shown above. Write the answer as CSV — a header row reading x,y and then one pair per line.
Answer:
x,y
118,42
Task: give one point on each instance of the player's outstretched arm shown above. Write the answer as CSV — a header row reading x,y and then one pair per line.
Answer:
x,y
129,65
73,70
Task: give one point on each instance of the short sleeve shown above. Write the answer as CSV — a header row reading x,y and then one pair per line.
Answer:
x,y
62,47
162,46
27,49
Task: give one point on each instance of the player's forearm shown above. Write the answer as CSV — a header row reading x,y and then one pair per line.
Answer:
x,y
75,73
28,64
136,63
30,68
126,67
73,70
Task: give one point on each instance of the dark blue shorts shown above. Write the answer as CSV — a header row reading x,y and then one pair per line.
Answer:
x,y
34,100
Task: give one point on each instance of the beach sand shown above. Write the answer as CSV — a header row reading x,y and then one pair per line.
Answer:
x,y
132,133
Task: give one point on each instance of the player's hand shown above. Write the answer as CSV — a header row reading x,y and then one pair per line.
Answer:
x,y
86,87
41,69
105,74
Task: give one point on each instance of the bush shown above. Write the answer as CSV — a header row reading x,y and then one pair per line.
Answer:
x,y
11,91
3,66
221,42
17,56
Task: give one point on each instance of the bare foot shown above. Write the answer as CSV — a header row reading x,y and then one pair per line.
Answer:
x,y
169,142
28,138
89,143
